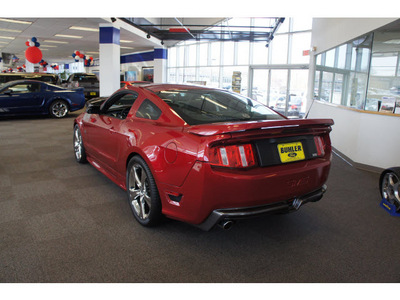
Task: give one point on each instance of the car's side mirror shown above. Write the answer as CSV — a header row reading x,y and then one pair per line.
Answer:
x,y
92,109
8,92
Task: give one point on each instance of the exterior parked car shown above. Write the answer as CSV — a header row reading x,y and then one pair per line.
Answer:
x,y
32,97
89,82
45,77
295,106
203,156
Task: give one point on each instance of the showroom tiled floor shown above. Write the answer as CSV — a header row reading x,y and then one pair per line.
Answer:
x,y
65,222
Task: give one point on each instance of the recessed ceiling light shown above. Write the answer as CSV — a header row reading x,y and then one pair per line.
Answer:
x,y
69,36
10,30
83,28
7,37
55,42
15,21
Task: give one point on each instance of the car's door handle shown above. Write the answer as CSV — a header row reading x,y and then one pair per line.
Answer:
x,y
112,130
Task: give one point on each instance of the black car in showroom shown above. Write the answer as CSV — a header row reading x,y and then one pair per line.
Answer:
x,y
88,81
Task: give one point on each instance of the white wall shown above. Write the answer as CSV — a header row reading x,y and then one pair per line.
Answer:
x,y
365,138
331,32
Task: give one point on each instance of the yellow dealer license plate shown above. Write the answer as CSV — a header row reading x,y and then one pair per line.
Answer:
x,y
291,152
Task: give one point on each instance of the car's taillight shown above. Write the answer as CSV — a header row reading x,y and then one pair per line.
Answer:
x,y
233,156
320,145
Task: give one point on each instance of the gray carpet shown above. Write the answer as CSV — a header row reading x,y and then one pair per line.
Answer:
x,y
65,222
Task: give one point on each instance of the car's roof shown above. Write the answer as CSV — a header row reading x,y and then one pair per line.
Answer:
x,y
170,86
28,74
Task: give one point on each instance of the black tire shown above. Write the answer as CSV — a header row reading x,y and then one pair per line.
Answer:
x,y
58,109
389,186
142,191
79,149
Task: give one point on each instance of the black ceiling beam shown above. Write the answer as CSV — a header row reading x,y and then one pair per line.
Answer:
x,y
228,35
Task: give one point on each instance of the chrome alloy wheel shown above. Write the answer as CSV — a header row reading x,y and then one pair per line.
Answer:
x,y
59,109
78,146
390,188
139,191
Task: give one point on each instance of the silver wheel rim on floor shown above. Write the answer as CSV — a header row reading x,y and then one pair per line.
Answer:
x,y
78,144
59,109
139,192
390,188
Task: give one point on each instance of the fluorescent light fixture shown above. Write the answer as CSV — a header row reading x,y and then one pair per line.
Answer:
x,y
395,41
55,42
15,21
69,36
48,46
3,43
7,37
84,28
126,47
10,30
92,52
125,41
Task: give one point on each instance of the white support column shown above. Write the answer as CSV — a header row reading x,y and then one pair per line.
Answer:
x,y
30,67
109,39
160,65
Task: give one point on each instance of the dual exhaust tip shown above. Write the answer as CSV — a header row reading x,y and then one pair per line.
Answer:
x,y
226,224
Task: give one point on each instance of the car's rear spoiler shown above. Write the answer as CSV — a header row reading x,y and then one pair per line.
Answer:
x,y
221,128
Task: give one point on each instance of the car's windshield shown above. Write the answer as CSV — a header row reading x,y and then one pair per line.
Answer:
x,y
201,106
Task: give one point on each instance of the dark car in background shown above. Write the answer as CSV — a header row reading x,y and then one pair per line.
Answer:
x,y
88,81
45,77
32,97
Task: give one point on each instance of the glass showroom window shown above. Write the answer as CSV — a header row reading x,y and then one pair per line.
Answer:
x,y
343,73
216,63
384,81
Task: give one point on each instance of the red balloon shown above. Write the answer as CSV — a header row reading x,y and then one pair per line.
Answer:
x,y
27,43
33,55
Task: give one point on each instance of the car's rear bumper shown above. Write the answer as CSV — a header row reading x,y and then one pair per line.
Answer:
x,y
219,216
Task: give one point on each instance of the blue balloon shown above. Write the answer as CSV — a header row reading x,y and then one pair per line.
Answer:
x,y
73,55
37,44
34,39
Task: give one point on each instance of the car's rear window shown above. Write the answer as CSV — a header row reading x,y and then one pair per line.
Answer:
x,y
85,78
201,106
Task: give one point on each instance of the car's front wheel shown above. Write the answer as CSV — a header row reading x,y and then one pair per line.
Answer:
x,y
389,185
79,149
58,109
143,196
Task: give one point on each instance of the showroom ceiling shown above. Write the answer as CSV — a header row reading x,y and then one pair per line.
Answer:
x,y
60,37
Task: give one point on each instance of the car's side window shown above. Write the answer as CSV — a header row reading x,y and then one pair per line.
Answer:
x,y
148,110
24,88
120,106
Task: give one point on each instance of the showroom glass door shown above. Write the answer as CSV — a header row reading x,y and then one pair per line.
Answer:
x,y
283,89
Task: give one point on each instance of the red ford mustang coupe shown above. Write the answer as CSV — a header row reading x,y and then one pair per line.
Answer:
x,y
201,155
